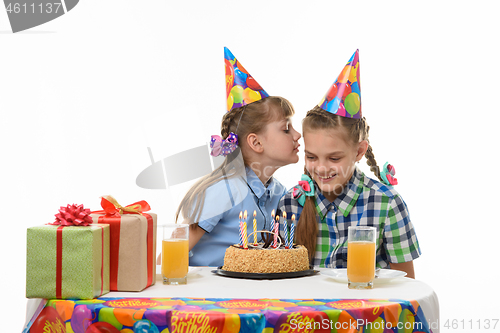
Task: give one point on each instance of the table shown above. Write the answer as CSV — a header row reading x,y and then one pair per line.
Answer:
x,y
311,293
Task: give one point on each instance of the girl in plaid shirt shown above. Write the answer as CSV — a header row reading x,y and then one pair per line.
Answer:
x,y
333,194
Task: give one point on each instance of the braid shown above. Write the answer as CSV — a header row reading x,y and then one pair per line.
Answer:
x,y
370,157
227,121
372,163
307,226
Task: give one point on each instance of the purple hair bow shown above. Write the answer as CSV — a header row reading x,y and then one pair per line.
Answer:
x,y
223,147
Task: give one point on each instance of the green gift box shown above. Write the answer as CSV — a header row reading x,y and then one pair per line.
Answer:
x,y
67,261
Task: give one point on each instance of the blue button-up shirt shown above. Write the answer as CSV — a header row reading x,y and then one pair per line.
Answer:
x,y
222,230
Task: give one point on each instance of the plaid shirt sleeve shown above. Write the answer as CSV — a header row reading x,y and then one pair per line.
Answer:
x,y
289,205
400,240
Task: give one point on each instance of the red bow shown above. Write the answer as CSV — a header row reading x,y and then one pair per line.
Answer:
x,y
112,208
73,215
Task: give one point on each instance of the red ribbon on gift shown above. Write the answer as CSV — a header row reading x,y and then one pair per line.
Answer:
x,y
113,211
59,249
111,207
72,215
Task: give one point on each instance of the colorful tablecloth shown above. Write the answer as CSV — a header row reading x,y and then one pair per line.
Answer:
x,y
196,315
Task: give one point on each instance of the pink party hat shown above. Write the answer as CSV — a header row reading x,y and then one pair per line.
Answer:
x,y
241,87
344,96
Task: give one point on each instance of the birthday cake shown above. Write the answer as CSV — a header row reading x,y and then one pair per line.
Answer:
x,y
259,259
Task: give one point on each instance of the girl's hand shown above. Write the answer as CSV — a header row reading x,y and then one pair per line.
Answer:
x,y
405,267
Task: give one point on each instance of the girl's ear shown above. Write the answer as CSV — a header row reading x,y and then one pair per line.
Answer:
x,y
362,147
254,143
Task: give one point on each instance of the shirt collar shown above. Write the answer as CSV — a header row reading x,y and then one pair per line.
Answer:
x,y
347,199
256,185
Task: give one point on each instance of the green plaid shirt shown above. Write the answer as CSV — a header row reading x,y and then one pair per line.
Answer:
x,y
364,202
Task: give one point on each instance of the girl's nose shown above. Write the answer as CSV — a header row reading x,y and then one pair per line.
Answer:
x,y
296,135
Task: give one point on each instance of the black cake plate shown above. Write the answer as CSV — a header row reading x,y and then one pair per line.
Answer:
x,y
265,276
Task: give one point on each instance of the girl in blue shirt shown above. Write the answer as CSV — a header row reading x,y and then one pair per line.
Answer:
x,y
257,138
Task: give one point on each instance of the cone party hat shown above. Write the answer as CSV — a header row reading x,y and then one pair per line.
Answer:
x,y
344,96
241,87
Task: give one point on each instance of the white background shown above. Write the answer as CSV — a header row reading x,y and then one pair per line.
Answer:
x,y
83,96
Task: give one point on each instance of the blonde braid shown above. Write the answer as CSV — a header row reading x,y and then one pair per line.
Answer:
x,y
227,121
370,157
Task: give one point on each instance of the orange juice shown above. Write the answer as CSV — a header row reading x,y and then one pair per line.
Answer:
x,y
360,261
175,258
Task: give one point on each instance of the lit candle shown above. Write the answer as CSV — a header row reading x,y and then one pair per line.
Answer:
x,y
241,231
245,239
292,230
276,231
254,227
241,234
285,229
272,221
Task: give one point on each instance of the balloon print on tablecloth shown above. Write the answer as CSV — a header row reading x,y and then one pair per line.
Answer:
x,y
302,321
128,317
344,96
101,327
145,326
232,323
47,319
241,87
157,317
107,315
81,319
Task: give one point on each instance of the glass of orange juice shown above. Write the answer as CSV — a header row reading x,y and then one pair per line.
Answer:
x,y
175,253
361,250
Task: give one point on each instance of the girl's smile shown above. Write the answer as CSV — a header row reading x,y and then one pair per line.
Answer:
x,y
326,179
330,159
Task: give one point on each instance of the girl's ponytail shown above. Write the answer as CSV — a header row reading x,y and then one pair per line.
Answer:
x,y
363,129
307,226
370,160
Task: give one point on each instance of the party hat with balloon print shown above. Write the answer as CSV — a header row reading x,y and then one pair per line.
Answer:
x,y
241,87
344,96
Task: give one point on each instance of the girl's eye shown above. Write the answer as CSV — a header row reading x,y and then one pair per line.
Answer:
x,y
310,157
335,159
